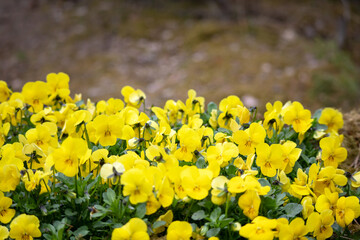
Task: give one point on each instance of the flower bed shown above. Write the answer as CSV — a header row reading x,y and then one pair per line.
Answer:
x,y
74,169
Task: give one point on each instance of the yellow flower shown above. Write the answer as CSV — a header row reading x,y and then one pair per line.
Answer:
x,y
25,227
4,233
35,94
320,224
111,107
232,108
249,139
72,153
308,208
297,230
272,120
6,213
298,117
290,155
5,92
347,209
329,177
135,229
260,228
269,158
167,217
43,136
249,202
152,205
73,124
219,191
332,118
190,140
222,153
196,182
58,85
355,180
327,201
112,171
107,129
136,185
32,180
9,178
133,97
179,230
237,185
332,152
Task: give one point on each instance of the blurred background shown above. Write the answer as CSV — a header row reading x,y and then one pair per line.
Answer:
x,y
260,50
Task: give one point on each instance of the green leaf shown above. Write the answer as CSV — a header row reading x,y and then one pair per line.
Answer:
x,y
225,222
198,215
158,224
140,210
292,209
269,203
109,196
81,232
215,214
200,163
211,106
279,199
70,213
212,232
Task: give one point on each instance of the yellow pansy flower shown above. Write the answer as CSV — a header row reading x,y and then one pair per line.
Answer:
x,y
272,118
25,227
107,129
249,202
308,207
355,180
332,153
112,172
269,158
6,213
196,182
320,224
167,217
296,230
290,155
222,153
58,85
347,209
219,191
136,185
298,117
72,153
179,230
135,229
5,92
4,233
332,118
35,94
9,178
260,228
133,97
33,179
247,140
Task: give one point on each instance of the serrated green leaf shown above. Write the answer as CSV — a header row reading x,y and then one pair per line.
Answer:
x,y
198,215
